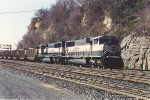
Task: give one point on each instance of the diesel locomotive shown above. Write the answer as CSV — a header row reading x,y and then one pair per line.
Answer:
x,y
100,51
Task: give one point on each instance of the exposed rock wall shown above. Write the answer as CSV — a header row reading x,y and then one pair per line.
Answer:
x,y
35,24
136,52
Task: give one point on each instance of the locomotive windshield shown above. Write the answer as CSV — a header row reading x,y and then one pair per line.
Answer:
x,y
108,41
103,41
114,42
42,48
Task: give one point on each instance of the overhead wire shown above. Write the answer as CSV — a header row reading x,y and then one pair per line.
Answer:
x,y
17,12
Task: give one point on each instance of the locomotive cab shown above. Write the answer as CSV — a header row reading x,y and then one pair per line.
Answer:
x,y
111,54
106,52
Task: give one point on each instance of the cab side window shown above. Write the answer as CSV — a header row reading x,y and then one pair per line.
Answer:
x,y
95,41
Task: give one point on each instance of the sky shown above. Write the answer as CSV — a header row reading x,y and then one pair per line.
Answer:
x,y
14,25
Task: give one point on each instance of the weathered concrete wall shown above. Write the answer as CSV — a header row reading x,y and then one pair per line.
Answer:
x,y
136,52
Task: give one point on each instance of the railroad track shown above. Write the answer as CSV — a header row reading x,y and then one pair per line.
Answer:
x,y
112,81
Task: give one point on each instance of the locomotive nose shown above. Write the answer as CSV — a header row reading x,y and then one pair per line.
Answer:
x,y
112,49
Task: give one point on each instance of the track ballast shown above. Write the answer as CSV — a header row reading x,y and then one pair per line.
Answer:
x,y
115,83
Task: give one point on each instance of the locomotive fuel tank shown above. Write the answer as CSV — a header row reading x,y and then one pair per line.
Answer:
x,y
46,60
79,61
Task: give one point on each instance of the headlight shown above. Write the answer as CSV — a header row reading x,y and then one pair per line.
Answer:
x,y
113,57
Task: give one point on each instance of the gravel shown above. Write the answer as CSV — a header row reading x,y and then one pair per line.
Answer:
x,y
87,91
83,90
20,85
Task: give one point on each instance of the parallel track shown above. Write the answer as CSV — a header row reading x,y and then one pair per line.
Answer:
x,y
92,77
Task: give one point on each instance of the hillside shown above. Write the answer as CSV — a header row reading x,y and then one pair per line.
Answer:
x,y
75,19
70,19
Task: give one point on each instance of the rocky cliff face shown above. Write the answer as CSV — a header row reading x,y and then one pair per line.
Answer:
x,y
136,52
35,24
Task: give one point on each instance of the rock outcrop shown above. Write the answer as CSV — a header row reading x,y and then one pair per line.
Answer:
x,y
136,52
35,24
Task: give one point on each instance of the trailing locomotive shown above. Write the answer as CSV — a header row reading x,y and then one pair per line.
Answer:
x,y
100,51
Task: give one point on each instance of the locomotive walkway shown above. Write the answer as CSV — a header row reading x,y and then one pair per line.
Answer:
x,y
114,83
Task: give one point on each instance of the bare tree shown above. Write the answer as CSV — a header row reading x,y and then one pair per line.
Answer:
x,y
74,23
42,13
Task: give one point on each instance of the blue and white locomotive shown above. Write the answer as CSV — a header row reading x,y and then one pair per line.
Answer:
x,y
100,51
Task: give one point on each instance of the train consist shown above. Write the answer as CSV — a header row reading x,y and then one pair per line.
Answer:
x,y
100,51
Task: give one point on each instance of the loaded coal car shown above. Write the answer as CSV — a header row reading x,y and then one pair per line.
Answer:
x,y
26,54
21,54
100,51
9,53
1,54
4,54
31,53
15,54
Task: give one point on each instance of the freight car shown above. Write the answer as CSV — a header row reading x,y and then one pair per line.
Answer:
x,y
20,54
100,51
